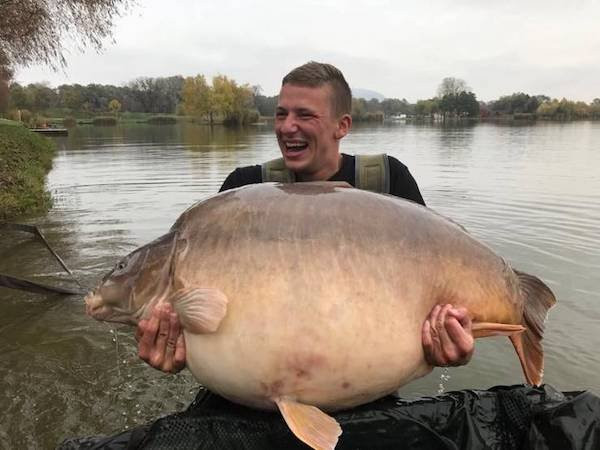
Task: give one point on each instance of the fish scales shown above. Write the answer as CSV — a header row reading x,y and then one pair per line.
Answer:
x,y
315,294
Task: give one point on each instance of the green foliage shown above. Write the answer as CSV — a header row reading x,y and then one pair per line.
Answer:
x,y
366,111
153,95
265,105
566,110
10,122
224,100
464,104
25,159
427,107
516,103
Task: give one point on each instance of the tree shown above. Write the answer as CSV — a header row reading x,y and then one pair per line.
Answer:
x,y
452,86
459,105
114,106
33,31
5,77
196,97
427,107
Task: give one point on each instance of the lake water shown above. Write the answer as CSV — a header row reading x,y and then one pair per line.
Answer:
x,y
531,192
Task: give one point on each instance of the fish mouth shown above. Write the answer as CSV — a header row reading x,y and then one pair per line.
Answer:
x,y
94,306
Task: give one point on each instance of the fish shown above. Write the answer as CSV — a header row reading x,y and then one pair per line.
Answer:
x,y
309,298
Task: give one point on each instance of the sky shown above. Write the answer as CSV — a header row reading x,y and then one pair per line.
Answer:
x,y
400,49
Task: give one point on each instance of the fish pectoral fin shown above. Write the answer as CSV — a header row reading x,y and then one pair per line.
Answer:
x,y
200,310
485,329
311,425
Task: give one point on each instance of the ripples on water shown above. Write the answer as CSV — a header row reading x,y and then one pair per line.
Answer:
x,y
531,192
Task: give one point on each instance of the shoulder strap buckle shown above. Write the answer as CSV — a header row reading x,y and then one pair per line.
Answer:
x,y
372,173
275,171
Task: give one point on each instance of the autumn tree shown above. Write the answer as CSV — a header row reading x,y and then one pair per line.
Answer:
x,y
224,99
196,97
114,106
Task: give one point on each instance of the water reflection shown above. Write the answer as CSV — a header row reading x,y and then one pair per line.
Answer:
x,y
531,192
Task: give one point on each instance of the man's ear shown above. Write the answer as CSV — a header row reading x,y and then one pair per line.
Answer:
x,y
344,126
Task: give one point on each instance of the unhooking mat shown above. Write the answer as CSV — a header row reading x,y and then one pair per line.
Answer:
x,y
504,417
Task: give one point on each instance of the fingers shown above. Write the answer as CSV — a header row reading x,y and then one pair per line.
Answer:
x,y
462,339
430,337
161,343
157,356
447,351
171,343
446,335
462,315
148,330
179,357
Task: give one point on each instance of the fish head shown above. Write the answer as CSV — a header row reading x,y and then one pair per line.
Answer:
x,y
138,281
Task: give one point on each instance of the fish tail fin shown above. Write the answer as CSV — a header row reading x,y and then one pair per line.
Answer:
x,y
538,299
311,425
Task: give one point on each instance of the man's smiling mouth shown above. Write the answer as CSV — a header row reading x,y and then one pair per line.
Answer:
x,y
295,146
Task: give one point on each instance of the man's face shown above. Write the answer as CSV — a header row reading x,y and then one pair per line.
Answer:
x,y
308,132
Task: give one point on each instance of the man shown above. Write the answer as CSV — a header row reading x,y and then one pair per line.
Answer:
x,y
312,117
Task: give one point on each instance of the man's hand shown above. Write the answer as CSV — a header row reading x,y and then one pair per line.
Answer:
x,y
447,336
160,340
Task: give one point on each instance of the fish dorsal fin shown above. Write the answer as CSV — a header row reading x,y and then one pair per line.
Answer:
x,y
311,425
200,310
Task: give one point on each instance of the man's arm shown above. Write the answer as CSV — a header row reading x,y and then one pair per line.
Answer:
x,y
402,183
241,177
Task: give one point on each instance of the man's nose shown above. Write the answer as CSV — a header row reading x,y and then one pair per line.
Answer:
x,y
289,124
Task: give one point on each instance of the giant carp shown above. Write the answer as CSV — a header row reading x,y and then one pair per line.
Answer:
x,y
310,297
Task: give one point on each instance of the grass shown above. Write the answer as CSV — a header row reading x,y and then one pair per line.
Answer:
x,y
9,122
25,159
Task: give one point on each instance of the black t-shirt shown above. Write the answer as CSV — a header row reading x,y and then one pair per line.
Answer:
x,y
402,183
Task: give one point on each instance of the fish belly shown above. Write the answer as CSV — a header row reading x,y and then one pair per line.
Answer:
x,y
253,366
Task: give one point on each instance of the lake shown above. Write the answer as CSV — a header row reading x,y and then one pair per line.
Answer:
x,y
531,192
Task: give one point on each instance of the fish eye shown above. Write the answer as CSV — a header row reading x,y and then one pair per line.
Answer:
x,y
120,265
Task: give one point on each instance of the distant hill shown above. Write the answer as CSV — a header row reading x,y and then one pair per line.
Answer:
x,y
367,94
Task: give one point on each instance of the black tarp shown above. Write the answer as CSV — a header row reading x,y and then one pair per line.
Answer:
x,y
504,417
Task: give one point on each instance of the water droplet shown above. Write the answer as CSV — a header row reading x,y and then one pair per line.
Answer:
x,y
444,377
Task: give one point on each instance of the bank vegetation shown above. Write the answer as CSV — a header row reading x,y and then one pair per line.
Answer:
x,y
25,159
223,100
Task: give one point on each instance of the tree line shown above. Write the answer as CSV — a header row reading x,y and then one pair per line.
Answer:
x,y
222,99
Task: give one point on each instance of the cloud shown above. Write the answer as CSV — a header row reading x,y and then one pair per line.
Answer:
x,y
397,48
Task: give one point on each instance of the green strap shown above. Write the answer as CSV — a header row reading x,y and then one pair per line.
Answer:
x,y
276,171
372,173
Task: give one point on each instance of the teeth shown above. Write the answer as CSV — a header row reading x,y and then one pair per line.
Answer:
x,y
295,144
